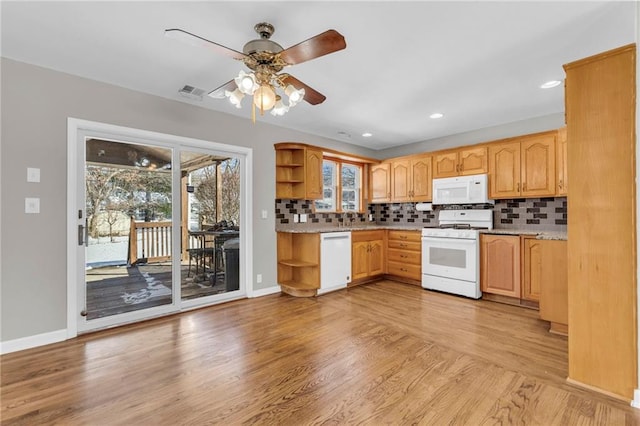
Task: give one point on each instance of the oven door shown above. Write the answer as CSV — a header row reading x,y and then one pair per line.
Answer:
x,y
450,258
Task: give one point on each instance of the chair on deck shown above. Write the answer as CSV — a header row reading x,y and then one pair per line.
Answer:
x,y
200,255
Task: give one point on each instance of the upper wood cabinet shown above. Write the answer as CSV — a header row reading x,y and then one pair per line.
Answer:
x,y
380,183
562,186
467,161
524,167
411,179
298,172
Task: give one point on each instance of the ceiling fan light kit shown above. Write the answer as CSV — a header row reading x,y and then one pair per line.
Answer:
x,y
266,58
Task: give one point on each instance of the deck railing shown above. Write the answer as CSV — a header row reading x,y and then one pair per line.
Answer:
x,y
151,242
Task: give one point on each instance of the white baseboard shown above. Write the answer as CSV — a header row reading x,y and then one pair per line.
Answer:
x,y
265,291
636,399
32,341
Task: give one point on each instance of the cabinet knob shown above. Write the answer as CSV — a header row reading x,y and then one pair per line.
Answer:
x,y
518,189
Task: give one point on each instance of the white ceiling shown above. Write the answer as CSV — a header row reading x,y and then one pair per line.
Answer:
x,y
479,63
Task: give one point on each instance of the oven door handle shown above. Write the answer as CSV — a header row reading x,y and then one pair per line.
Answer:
x,y
458,241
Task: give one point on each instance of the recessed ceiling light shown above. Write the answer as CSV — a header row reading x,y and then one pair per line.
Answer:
x,y
436,115
367,135
550,84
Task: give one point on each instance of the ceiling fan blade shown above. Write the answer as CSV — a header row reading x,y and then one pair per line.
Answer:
x,y
310,95
328,42
195,40
218,93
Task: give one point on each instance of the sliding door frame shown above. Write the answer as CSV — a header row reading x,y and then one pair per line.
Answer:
x,y
77,132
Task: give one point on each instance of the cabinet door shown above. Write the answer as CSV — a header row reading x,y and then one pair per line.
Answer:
x,y
313,174
500,264
554,302
532,268
359,260
376,257
538,165
400,181
473,161
421,179
381,183
445,164
561,162
504,170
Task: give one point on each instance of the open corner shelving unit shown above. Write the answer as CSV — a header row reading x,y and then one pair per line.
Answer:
x,y
299,263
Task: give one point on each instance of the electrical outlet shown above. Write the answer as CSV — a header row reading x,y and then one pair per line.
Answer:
x,y
296,218
370,218
259,278
303,218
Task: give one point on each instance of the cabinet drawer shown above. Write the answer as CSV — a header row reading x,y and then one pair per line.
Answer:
x,y
405,235
358,236
404,245
404,270
404,256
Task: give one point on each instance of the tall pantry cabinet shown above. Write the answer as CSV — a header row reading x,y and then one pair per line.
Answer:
x,y
600,96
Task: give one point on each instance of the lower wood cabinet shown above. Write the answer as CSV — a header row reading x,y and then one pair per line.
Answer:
x,y
298,258
532,268
404,256
554,299
367,254
500,265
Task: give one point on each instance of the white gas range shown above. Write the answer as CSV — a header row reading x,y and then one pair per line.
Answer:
x,y
451,253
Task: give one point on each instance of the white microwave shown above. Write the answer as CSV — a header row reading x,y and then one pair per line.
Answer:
x,y
472,189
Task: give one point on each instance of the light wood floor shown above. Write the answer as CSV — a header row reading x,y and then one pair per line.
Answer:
x,y
385,353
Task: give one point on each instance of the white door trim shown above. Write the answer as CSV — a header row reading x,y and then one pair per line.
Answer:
x,y
76,128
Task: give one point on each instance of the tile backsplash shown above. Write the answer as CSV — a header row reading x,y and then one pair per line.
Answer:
x,y
548,214
285,209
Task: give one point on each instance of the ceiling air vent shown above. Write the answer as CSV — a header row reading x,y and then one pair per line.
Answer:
x,y
192,92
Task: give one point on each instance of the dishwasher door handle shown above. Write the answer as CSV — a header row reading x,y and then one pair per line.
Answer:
x,y
336,237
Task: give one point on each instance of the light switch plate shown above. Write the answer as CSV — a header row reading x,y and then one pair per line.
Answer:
x,y
296,218
263,214
32,205
33,174
303,218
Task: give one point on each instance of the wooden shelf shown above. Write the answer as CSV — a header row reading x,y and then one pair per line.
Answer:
x,y
299,285
297,263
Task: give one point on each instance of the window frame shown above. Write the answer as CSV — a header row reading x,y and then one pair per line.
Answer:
x,y
338,188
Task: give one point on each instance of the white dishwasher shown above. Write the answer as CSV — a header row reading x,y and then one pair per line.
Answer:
x,y
335,261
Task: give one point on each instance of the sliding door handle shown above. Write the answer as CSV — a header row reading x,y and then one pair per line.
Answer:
x,y
82,235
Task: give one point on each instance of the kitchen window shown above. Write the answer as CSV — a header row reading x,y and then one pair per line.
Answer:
x,y
341,186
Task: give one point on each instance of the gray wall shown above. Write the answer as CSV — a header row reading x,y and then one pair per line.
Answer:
x,y
35,105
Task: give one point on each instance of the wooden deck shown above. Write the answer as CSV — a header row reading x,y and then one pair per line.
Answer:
x,y
118,289
385,353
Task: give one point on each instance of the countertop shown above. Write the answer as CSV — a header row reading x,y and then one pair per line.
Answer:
x,y
541,235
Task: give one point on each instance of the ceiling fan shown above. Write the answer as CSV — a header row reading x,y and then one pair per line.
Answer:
x,y
266,59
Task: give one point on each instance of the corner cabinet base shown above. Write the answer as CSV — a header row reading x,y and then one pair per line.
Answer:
x,y
299,264
298,291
